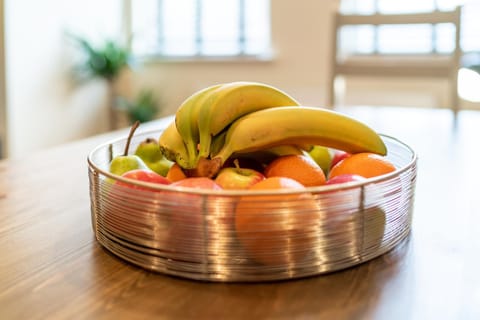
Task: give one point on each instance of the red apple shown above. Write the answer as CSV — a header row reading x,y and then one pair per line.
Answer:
x,y
197,183
130,205
194,218
142,175
238,178
344,178
338,155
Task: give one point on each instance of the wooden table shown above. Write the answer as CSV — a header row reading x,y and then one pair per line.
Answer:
x,y
51,266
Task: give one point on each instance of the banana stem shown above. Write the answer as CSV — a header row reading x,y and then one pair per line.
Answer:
x,y
205,168
222,155
191,153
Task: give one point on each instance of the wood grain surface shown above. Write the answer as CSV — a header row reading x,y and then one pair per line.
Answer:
x,y
51,266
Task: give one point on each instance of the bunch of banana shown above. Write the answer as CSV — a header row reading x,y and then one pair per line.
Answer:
x,y
246,117
186,121
206,113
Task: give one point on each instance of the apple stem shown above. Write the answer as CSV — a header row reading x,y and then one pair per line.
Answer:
x,y
130,135
236,163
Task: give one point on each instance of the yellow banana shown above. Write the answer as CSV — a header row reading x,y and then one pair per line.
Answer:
x,y
217,142
293,125
186,120
172,146
231,101
265,155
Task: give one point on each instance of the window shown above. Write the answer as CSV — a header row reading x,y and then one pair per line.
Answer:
x,y
199,28
422,38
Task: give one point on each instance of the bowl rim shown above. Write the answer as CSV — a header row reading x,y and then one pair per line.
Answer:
x,y
186,190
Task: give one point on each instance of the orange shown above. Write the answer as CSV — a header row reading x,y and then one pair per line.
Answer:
x,y
273,183
298,167
277,229
363,164
175,173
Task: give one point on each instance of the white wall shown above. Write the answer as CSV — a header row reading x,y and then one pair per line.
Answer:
x,y
44,106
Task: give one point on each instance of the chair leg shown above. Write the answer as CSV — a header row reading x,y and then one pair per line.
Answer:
x,y
331,93
455,100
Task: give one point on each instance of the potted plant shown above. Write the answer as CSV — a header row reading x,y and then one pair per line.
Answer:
x,y
104,61
144,108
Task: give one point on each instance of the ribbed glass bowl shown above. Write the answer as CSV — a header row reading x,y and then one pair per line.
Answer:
x,y
245,236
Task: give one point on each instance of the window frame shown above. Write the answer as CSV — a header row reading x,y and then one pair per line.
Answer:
x,y
241,56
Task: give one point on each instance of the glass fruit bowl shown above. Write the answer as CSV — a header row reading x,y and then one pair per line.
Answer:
x,y
246,236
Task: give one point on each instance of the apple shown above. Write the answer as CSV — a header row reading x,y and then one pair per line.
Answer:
x,y
322,156
338,155
194,218
144,175
131,205
344,178
244,162
197,183
238,178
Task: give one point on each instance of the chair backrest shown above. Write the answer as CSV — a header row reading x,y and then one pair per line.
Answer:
x,y
429,64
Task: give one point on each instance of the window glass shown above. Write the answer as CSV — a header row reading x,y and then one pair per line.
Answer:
x,y
257,27
219,27
358,7
200,27
357,39
405,6
444,37
470,39
421,38
402,38
446,5
144,37
177,27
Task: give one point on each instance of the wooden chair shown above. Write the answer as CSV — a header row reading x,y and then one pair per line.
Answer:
x,y
429,65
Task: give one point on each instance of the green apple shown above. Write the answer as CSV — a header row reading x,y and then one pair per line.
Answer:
x,y
322,156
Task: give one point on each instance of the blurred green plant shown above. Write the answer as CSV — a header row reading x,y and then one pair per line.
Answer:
x,y
144,108
105,61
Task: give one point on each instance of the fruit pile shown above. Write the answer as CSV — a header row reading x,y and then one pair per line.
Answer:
x,y
252,136
234,135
